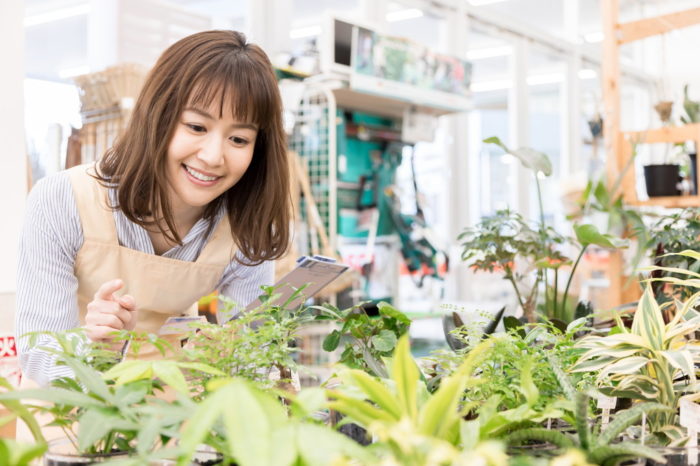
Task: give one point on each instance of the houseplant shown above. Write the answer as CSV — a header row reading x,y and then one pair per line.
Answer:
x,y
652,361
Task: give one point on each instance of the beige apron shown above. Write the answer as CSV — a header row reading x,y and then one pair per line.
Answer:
x,y
161,287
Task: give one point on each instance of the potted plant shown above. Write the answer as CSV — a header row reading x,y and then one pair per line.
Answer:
x,y
653,361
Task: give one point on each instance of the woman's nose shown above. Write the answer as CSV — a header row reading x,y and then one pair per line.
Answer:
x,y
211,151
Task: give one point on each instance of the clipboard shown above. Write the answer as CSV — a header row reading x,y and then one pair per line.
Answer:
x,y
316,271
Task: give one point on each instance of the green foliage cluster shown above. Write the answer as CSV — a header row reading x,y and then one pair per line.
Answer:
x,y
366,339
252,345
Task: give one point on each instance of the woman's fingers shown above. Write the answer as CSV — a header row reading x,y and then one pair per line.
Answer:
x,y
108,313
106,291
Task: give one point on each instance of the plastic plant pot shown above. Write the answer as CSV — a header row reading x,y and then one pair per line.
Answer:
x,y
61,452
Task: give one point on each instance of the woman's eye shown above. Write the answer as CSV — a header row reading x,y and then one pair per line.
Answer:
x,y
239,141
195,128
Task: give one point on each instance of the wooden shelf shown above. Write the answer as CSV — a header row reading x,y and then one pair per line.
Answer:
x,y
619,144
671,202
648,27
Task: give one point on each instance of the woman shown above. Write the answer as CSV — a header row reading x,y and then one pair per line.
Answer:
x,y
192,198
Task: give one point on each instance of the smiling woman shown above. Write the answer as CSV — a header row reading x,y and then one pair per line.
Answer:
x,y
192,198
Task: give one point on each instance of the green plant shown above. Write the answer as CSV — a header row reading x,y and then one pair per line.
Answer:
x,y
251,427
367,339
251,345
115,411
652,361
17,454
412,426
598,446
498,242
669,235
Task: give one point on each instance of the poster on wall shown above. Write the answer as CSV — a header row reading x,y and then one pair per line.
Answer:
x,y
403,69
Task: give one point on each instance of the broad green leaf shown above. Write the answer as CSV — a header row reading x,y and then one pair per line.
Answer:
x,y
250,416
439,414
129,371
90,379
53,395
200,424
683,361
624,366
362,411
384,341
170,374
93,426
376,393
405,375
387,309
530,158
330,343
308,400
589,234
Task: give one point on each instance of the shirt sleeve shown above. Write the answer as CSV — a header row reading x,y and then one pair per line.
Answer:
x,y
242,284
46,282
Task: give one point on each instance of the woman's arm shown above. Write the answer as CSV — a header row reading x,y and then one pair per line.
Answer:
x,y
46,283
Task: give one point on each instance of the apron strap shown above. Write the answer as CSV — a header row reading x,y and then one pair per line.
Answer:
x,y
220,248
91,198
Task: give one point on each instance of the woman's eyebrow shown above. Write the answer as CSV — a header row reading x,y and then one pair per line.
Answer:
x,y
208,116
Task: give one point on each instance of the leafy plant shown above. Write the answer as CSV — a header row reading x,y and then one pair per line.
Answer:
x,y
17,454
597,445
251,427
252,345
652,361
98,415
367,339
412,426
669,235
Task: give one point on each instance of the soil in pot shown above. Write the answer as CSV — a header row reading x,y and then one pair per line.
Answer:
x,y
662,180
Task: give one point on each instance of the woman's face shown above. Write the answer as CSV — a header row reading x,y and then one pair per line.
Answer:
x,y
206,156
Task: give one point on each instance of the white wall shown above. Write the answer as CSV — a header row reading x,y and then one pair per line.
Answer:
x,y
14,162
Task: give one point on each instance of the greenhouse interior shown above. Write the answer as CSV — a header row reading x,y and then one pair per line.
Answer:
x,y
357,232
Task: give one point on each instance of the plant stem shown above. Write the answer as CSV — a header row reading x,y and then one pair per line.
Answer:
x,y
555,292
571,276
510,278
539,199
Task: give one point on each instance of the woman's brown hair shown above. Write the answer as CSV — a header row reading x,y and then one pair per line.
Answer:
x,y
211,66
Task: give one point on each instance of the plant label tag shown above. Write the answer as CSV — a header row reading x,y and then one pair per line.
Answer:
x,y
690,414
607,402
181,325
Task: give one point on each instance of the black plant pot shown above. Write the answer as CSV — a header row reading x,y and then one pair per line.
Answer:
x,y
60,459
693,173
355,432
662,180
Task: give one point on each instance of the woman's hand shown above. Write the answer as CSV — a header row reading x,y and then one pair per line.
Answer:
x,y
108,313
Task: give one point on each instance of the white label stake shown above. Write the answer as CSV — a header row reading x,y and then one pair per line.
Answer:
x,y
606,403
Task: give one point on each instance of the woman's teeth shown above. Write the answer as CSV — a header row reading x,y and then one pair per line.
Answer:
x,y
198,175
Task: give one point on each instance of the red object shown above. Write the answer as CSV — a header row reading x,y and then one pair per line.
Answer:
x,y
8,348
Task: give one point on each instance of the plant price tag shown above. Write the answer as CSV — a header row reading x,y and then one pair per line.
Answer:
x,y
607,402
690,419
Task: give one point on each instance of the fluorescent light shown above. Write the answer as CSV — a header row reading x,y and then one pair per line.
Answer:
x,y
489,52
75,71
484,2
486,86
308,31
593,37
56,15
403,15
549,78
587,73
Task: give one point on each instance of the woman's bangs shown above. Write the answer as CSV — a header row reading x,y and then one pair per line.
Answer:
x,y
235,93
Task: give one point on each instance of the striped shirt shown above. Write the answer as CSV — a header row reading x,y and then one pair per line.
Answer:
x,y
46,283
